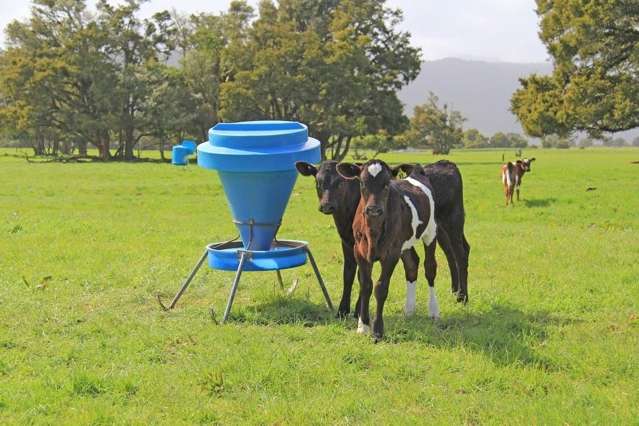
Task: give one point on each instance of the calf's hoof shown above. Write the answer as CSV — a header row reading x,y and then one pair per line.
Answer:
x,y
378,330
409,310
363,328
462,298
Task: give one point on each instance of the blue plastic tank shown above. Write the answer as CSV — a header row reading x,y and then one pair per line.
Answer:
x,y
182,151
256,164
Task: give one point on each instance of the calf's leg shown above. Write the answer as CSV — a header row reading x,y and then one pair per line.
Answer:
x,y
430,268
365,290
350,267
462,252
444,241
381,292
410,259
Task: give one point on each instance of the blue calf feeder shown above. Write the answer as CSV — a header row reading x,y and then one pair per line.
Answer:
x,y
256,164
181,153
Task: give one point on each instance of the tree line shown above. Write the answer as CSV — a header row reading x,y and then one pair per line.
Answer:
x,y
71,78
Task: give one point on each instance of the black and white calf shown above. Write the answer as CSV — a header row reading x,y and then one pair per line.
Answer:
x,y
392,216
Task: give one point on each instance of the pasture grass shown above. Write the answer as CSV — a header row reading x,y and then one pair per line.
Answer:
x,y
550,336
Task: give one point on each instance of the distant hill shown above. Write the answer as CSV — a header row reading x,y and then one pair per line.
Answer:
x,y
480,90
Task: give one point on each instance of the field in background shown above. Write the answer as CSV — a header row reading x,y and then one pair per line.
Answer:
x,y
550,334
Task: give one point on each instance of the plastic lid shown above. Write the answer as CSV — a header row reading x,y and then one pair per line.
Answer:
x,y
258,146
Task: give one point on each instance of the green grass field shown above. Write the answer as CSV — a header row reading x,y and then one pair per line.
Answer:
x,y
550,336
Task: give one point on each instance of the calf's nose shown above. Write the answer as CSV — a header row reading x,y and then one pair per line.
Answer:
x,y
327,208
374,211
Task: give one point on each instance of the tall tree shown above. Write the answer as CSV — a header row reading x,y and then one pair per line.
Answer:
x,y
133,45
57,76
595,83
335,65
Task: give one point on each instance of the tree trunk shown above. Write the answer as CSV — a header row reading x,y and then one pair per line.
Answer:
x,y
162,148
129,144
82,148
38,147
104,145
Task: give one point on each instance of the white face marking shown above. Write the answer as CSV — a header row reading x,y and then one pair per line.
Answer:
x,y
415,222
374,169
411,298
433,306
431,229
362,328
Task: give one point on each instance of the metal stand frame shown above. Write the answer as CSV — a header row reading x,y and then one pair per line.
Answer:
x,y
244,255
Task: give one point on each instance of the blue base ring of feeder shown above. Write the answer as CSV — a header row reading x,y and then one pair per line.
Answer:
x,y
284,254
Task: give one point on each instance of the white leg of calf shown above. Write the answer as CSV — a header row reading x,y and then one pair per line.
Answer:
x,y
362,328
411,298
433,306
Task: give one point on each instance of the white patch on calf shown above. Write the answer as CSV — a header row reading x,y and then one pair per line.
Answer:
x,y
411,298
507,177
433,306
414,223
362,328
431,229
374,169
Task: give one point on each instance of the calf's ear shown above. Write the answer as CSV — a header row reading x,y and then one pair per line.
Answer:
x,y
349,170
305,169
406,168
532,159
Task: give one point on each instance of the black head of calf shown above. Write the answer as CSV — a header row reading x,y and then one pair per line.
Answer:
x,y
526,164
335,193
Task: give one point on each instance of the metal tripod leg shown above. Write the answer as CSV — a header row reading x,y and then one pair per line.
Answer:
x,y
186,283
319,279
279,279
236,281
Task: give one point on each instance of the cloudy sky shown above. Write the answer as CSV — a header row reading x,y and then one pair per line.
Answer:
x,y
495,30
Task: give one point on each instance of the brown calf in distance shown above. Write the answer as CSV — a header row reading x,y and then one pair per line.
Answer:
x,y
511,175
339,197
392,216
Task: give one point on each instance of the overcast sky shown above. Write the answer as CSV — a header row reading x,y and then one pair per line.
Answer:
x,y
494,30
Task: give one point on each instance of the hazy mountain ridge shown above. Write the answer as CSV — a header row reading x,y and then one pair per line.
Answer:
x,y
481,90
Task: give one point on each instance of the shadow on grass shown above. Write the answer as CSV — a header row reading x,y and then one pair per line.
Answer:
x,y
505,334
508,336
284,310
539,202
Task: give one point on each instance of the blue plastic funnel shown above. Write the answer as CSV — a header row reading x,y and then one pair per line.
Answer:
x,y
256,164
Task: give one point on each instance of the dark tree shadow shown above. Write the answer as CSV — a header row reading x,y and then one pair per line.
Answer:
x,y
539,202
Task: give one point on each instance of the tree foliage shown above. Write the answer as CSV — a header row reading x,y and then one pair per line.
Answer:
x,y
473,138
334,65
435,127
110,78
594,86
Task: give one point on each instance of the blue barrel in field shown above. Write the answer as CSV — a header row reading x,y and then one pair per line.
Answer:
x,y
256,164
181,152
